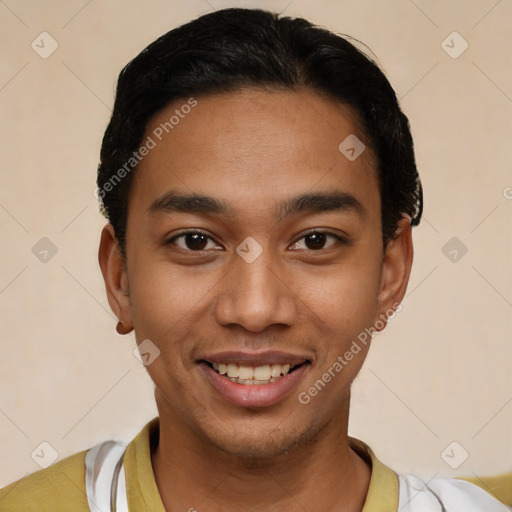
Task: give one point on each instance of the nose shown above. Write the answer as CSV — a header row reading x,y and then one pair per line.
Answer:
x,y
255,296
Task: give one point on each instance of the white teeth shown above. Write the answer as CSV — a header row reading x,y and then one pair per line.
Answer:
x,y
262,373
275,370
251,382
232,370
250,375
245,373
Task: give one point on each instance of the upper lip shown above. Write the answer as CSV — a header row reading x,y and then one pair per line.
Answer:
x,y
255,358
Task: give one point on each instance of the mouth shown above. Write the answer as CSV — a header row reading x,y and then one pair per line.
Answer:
x,y
254,380
250,376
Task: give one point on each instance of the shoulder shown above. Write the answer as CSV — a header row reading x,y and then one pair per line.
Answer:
x,y
58,488
500,486
445,494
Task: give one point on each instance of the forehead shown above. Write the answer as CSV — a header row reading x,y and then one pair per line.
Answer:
x,y
253,146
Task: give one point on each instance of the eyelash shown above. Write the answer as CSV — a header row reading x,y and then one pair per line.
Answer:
x,y
342,240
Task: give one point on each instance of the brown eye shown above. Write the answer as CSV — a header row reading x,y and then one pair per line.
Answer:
x,y
318,240
315,240
194,241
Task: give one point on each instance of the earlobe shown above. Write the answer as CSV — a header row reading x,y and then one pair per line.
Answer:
x,y
396,270
122,329
115,277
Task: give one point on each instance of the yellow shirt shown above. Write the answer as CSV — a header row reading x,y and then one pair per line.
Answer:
x,y
61,487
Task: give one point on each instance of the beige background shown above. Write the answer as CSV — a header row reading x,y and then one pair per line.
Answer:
x,y
440,373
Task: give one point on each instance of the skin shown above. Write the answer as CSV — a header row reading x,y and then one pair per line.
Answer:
x,y
254,149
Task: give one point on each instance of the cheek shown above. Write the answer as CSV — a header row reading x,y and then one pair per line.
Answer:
x,y
343,305
167,300
344,299
163,305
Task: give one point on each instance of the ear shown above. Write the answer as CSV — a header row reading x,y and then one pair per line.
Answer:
x,y
396,270
114,273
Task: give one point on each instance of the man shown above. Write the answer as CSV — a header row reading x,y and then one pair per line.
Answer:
x,y
260,185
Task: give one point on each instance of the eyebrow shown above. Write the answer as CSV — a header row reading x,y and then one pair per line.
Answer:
x,y
333,201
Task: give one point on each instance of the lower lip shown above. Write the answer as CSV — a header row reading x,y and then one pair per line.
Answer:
x,y
255,395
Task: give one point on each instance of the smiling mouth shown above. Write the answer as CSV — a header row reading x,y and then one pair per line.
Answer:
x,y
250,375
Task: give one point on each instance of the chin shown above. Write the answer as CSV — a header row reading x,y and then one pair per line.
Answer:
x,y
263,445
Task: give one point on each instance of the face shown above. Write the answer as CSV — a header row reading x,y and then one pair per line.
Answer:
x,y
254,259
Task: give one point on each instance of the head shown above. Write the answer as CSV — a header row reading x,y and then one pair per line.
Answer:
x,y
240,129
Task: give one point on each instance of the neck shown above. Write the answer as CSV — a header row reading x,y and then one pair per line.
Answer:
x,y
321,474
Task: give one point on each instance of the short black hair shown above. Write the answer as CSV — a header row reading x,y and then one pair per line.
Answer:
x,y
232,49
